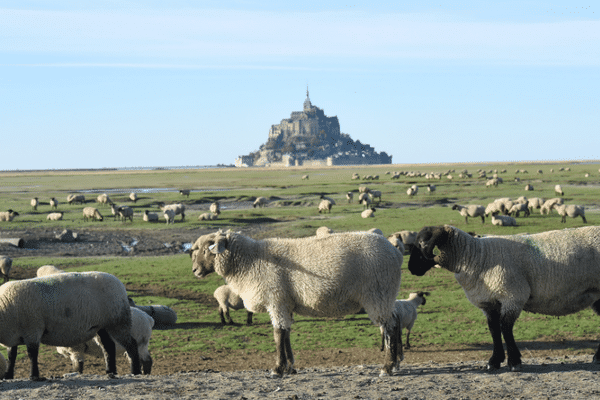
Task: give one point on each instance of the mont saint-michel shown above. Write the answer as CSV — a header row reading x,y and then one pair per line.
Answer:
x,y
309,137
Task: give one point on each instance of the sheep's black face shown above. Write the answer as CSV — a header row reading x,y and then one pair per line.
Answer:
x,y
418,264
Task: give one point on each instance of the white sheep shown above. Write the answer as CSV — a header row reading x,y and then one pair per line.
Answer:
x,y
503,220
518,208
495,206
570,210
405,311
323,230
349,196
328,276
363,189
397,243
535,202
430,188
375,194
7,216
472,211
169,216
558,190
207,217
65,310
177,208
133,197
75,198
125,212
103,199
529,187
325,206
549,204
304,177
215,208
34,203
54,203
227,299
92,212
5,266
150,217
369,213
412,191
55,216
260,202
407,238
552,273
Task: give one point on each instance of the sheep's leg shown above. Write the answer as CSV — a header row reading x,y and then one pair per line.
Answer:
x,y
392,339
493,320
584,220
109,352
249,318
288,352
229,317
222,315
32,352
407,339
596,308
281,365
507,322
146,363
12,358
482,219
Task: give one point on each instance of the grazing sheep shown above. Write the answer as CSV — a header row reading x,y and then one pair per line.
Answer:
x,y
430,188
8,216
322,231
207,217
529,187
54,203
349,196
496,206
260,202
375,194
328,276
227,299
5,266
304,177
503,220
55,216
520,208
552,273
323,197
114,209
549,205
65,310
163,316
169,216
184,192
125,212
405,312
75,198
215,208
535,202
34,203
558,190
92,212
355,177
413,190
570,210
177,208
133,197
472,211
370,213
325,206
150,217
363,196
103,199
363,189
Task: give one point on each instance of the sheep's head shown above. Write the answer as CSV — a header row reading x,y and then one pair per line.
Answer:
x,y
204,252
421,256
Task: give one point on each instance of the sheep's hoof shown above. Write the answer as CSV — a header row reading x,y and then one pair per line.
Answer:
x,y
516,368
111,375
491,367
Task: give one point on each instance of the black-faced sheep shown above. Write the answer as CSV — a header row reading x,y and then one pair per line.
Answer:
x,y
169,216
177,208
570,210
227,299
327,276
349,196
184,192
54,203
405,312
150,217
55,216
34,203
125,212
503,220
325,206
472,211
66,310
103,199
370,213
7,216
75,198
558,190
93,213
260,202
552,273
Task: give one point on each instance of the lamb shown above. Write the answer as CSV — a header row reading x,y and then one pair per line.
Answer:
x,y
328,276
215,208
55,216
405,311
91,212
103,199
207,217
558,190
503,220
325,206
150,217
8,216
177,208
54,203
227,299
472,211
260,202
163,316
34,203
184,192
520,208
125,212
350,197
571,210
65,310
552,273
370,213
169,216
75,198
133,197
5,266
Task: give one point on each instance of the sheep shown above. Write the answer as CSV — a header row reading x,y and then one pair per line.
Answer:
x,y
430,188
325,206
322,231
350,197
363,196
8,216
163,316
5,266
54,203
215,208
169,216
549,205
571,210
413,190
369,213
558,190
34,203
133,197
552,273
55,216
323,197
304,177
529,187
65,310
397,243
495,206
328,276
75,198
503,220
207,217
405,312
260,202
150,217
376,231
407,238
184,192
375,194
91,212
472,211
355,177
535,202
103,199
177,208
125,212
114,209
518,208
227,299
363,189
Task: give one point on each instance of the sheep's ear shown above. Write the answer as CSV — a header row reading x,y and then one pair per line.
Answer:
x,y
219,246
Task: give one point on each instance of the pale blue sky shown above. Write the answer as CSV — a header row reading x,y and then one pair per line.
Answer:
x,y
140,84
